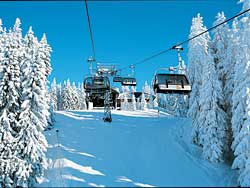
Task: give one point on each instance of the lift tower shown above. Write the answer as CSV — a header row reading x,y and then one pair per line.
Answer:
x,y
108,70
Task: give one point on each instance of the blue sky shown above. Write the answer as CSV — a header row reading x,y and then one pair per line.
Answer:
x,y
124,32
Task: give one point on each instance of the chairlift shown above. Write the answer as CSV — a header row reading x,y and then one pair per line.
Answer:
x,y
96,84
117,79
128,81
170,83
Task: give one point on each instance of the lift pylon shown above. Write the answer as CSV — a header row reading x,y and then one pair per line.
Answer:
x,y
107,110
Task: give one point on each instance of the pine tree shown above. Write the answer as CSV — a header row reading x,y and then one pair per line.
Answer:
x,y
74,97
66,96
133,102
59,97
241,102
219,48
197,54
53,95
212,118
147,91
156,101
231,58
9,109
45,54
125,92
143,102
33,114
83,97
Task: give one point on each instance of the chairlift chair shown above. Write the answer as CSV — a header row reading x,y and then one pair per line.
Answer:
x,y
128,81
170,83
117,79
96,84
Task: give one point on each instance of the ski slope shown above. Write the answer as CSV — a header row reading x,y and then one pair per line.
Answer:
x,y
137,149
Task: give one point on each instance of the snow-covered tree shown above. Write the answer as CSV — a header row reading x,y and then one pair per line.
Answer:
x,y
197,53
124,105
219,49
51,112
143,102
81,97
219,46
45,54
66,96
124,98
23,108
9,109
146,88
59,97
241,102
212,118
231,59
74,97
33,114
156,103
53,94
133,102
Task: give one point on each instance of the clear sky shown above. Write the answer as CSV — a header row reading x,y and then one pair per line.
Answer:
x,y
124,32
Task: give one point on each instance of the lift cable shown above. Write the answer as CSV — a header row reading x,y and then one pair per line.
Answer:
x,y
90,30
181,43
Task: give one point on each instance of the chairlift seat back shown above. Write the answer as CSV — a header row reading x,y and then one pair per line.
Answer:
x,y
171,83
117,79
128,82
96,84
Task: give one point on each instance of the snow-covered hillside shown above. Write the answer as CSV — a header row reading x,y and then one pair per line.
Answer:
x,y
137,149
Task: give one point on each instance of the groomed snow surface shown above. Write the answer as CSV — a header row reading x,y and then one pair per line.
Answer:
x,y
139,148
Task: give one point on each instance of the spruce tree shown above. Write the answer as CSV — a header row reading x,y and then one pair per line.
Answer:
x,y
197,53
9,109
212,118
241,102
33,119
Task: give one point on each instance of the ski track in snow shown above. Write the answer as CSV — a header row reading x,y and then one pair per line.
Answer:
x,y
137,149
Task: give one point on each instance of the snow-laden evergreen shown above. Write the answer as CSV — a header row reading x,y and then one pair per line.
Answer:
x,y
66,96
143,102
59,96
45,54
133,100
24,107
53,95
219,49
212,118
74,97
124,99
34,113
231,59
146,89
133,103
219,46
9,109
81,97
241,102
197,54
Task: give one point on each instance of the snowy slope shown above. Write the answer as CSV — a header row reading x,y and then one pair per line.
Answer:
x,y
136,149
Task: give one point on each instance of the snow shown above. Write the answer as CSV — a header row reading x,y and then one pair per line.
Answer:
x,y
139,148
63,163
